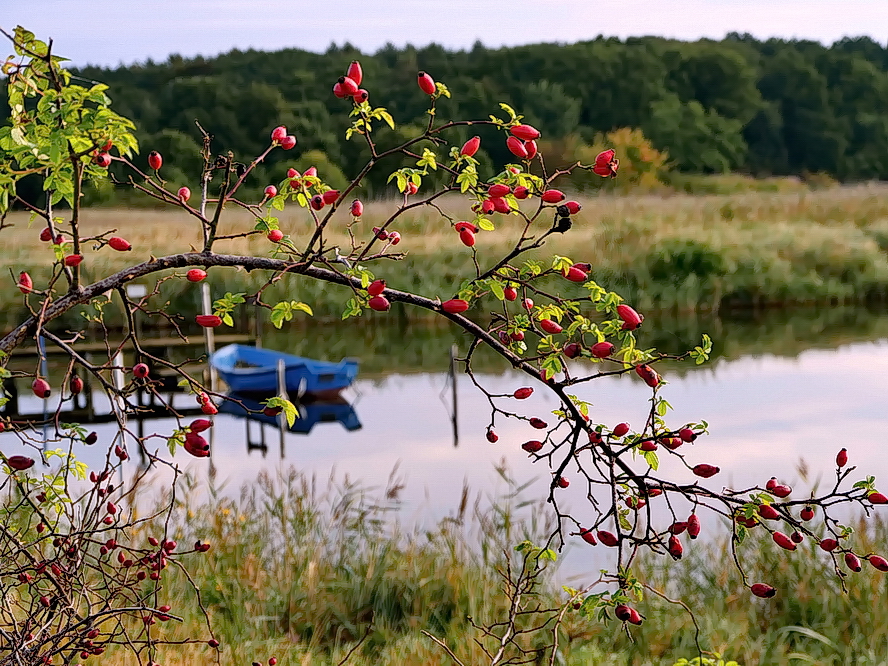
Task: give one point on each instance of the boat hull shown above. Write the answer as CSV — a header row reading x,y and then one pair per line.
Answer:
x,y
252,370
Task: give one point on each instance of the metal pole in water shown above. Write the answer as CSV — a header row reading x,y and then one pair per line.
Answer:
x,y
454,351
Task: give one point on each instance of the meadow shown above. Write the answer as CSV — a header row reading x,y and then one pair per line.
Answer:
x,y
666,252
312,570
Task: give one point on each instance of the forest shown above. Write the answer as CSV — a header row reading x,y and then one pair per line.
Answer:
x,y
761,108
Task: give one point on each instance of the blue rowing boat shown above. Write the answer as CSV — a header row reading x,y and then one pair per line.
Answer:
x,y
252,369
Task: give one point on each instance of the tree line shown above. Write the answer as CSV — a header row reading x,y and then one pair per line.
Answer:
x,y
772,107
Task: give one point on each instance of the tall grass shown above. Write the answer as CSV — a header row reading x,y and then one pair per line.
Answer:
x,y
666,252
304,570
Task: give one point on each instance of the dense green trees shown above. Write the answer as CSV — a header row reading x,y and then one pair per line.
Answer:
x,y
766,108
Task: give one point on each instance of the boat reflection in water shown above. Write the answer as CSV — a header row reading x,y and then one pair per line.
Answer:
x,y
312,410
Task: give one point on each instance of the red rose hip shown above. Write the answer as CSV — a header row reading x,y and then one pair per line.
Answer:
x,y
20,463
40,387
602,349
379,303
455,306
426,83
552,196
25,283
516,147
155,161
355,73
119,244
621,429
525,132
705,471
608,538
470,147
208,321
762,590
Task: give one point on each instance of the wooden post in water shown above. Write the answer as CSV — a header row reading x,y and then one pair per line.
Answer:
x,y
209,339
120,404
44,372
210,343
454,350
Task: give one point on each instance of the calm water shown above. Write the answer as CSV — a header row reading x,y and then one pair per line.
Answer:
x,y
782,391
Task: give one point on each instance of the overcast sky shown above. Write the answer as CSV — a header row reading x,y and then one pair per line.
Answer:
x,y
109,32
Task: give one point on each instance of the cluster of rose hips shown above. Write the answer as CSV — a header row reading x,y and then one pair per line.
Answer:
x,y
393,237
100,155
767,511
349,86
195,443
522,142
279,137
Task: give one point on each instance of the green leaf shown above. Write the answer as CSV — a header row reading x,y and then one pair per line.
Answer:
x,y
652,459
497,289
288,408
428,159
484,224
549,554
352,309
387,117
551,366
285,310
625,525
176,440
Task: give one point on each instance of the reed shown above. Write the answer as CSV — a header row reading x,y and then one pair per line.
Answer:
x,y
667,252
306,571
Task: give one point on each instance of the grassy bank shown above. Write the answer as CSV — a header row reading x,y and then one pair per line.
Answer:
x,y
675,252
300,570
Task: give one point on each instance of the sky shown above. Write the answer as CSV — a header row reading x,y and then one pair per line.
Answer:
x,y
110,32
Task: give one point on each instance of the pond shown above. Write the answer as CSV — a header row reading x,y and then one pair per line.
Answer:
x,y
782,394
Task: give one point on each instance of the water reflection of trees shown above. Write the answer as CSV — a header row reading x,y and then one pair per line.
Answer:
x,y
405,347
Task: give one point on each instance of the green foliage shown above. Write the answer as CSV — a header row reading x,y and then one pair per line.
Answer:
x,y
285,310
775,107
224,306
55,125
697,140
